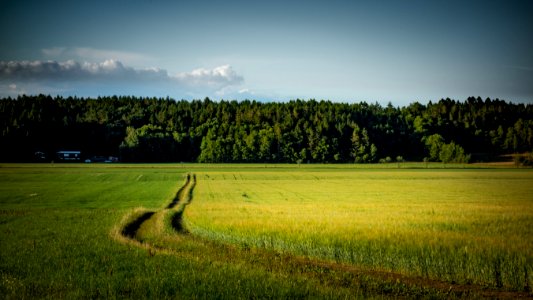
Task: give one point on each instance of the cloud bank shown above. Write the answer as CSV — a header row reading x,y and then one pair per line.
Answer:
x,y
73,71
72,75
96,55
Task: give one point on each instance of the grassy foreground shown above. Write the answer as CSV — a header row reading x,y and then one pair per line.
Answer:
x,y
57,241
60,231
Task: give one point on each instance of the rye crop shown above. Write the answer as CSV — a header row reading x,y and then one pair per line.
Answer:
x,y
462,226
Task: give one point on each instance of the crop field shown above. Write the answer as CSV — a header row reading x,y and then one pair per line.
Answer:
x,y
467,226
264,231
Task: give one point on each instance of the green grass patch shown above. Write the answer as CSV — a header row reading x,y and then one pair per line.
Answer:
x,y
58,233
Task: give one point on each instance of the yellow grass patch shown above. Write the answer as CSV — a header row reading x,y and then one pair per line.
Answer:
x,y
457,225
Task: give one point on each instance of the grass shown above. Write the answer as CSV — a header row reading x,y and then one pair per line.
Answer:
x,y
62,242
258,231
466,226
85,186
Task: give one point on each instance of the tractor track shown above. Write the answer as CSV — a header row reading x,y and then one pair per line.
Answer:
x,y
283,263
130,230
180,192
177,205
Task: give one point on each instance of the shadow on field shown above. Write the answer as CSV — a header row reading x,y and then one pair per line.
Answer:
x,y
185,198
131,229
176,222
180,192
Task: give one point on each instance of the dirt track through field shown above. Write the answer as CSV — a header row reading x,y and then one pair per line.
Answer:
x,y
327,272
179,202
130,230
184,199
180,192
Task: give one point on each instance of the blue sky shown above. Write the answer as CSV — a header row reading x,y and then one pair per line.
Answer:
x,y
348,51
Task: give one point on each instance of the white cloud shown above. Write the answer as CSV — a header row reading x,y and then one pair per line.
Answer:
x,y
217,78
114,75
96,55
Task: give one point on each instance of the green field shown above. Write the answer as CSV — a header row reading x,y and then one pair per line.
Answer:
x,y
258,231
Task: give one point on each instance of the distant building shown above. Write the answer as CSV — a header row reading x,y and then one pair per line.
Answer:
x,y
69,155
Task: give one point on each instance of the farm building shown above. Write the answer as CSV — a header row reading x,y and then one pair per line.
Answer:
x,y
69,155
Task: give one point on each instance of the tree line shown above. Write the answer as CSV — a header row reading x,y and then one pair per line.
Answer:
x,y
138,129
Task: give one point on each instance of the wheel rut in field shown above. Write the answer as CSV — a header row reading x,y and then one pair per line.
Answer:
x,y
184,200
130,230
180,192
183,197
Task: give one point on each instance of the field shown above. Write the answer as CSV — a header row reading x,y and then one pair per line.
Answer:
x,y
281,231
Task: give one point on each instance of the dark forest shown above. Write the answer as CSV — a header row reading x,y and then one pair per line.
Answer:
x,y
138,129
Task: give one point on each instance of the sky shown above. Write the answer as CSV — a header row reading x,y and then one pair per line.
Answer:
x,y
343,51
